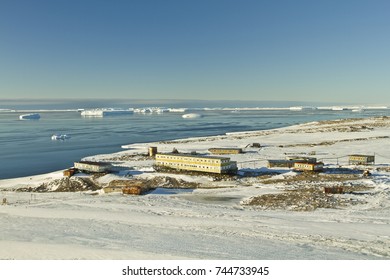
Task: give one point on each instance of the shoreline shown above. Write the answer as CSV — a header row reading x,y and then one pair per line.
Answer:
x,y
63,155
292,129
244,217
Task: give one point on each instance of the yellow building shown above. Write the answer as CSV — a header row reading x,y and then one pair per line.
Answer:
x,y
361,159
307,166
290,161
219,165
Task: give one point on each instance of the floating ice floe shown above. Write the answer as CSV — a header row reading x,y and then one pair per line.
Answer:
x,y
191,116
301,108
142,110
105,112
33,116
151,110
159,110
177,110
60,137
337,108
358,110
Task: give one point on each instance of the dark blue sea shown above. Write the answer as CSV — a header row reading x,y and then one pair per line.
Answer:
x,y
26,147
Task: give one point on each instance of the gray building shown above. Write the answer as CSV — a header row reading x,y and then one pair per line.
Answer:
x,y
93,166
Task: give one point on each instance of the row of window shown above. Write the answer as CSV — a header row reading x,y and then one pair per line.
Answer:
x,y
361,158
205,167
188,165
192,159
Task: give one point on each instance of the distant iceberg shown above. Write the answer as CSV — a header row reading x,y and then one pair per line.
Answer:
x,y
338,108
159,110
300,108
60,137
33,116
105,112
332,108
143,110
177,110
151,110
191,116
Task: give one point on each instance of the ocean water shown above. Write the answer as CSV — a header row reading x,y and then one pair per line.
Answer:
x,y
26,147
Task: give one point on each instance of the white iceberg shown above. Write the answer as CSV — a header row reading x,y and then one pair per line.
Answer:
x,y
105,112
358,110
177,110
142,110
338,108
301,108
159,110
191,116
60,137
151,110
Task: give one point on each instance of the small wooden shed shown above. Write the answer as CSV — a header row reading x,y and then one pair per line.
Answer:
x,y
135,190
69,172
128,186
333,190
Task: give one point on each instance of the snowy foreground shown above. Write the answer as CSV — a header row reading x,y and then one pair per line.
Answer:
x,y
215,220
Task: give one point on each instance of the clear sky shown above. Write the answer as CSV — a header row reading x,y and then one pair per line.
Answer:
x,y
330,50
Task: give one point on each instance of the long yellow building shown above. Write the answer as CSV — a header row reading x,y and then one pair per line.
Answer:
x,y
219,165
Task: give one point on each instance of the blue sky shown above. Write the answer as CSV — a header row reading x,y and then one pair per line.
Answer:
x,y
317,51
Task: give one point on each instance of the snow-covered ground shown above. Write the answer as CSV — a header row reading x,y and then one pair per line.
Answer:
x,y
213,221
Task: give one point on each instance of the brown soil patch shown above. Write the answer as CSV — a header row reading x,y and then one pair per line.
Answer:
x,y
305,191
308,199
73,184
169,182
313,177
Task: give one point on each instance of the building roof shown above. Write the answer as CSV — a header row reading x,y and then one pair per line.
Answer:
x,y
235,149
94,163
193,156
309,163
302,158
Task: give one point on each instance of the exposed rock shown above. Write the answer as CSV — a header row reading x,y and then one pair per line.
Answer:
x,y
301,200
170,182
65,184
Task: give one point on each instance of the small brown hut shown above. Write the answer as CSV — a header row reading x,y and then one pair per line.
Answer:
x,y
129,186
